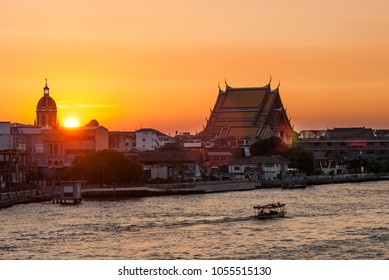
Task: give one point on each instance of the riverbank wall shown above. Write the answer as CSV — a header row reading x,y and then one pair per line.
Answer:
x,y
8,199
167,189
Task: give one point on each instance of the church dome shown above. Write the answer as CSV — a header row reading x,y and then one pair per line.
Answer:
x,y
46,103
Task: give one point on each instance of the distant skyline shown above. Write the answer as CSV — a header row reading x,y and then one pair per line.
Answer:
x,y
134,64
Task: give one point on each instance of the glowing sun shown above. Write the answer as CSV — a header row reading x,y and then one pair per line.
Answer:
x,y
71,123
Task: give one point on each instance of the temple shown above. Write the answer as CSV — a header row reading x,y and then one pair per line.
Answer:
x,y
246,114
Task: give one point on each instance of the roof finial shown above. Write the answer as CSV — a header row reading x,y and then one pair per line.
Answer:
x,y
220,90
227,86
46,88
270,79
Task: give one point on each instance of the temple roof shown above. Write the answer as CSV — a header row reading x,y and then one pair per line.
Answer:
x,y
350,133
246,112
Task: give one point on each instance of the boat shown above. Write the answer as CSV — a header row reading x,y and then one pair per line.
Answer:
x,y
270,211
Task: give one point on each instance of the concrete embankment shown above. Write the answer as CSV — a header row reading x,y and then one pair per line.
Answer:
x,y
347,178
168,189
8,202
328,179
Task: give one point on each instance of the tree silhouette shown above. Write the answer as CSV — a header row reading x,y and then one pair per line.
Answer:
x,y
106,167
301,159
272,145
304,162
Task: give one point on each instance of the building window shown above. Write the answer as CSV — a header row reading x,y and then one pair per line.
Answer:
x,y
43,120
236,168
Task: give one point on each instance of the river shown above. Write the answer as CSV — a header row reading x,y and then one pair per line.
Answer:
x,y
331,222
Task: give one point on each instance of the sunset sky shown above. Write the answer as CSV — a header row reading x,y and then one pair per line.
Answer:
x,y
132,64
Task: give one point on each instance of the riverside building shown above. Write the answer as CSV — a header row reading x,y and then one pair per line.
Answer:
x,y
333,148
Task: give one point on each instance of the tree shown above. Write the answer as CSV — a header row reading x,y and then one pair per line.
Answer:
x,y
107,166
301,159
305,162
384,166
267,146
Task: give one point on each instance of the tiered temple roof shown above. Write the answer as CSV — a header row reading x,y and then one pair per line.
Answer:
x,y
248,113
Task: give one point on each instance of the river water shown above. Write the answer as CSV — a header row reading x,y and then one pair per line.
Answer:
x,y
340,221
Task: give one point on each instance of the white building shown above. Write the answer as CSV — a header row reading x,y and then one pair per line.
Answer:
x,y
172,164
151,139
258,167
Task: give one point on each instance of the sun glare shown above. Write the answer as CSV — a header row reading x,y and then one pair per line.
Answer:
x,y
71,123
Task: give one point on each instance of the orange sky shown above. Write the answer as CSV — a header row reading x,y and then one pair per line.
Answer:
x,y
132,64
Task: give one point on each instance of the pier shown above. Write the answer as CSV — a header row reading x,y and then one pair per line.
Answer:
x,y
69,192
